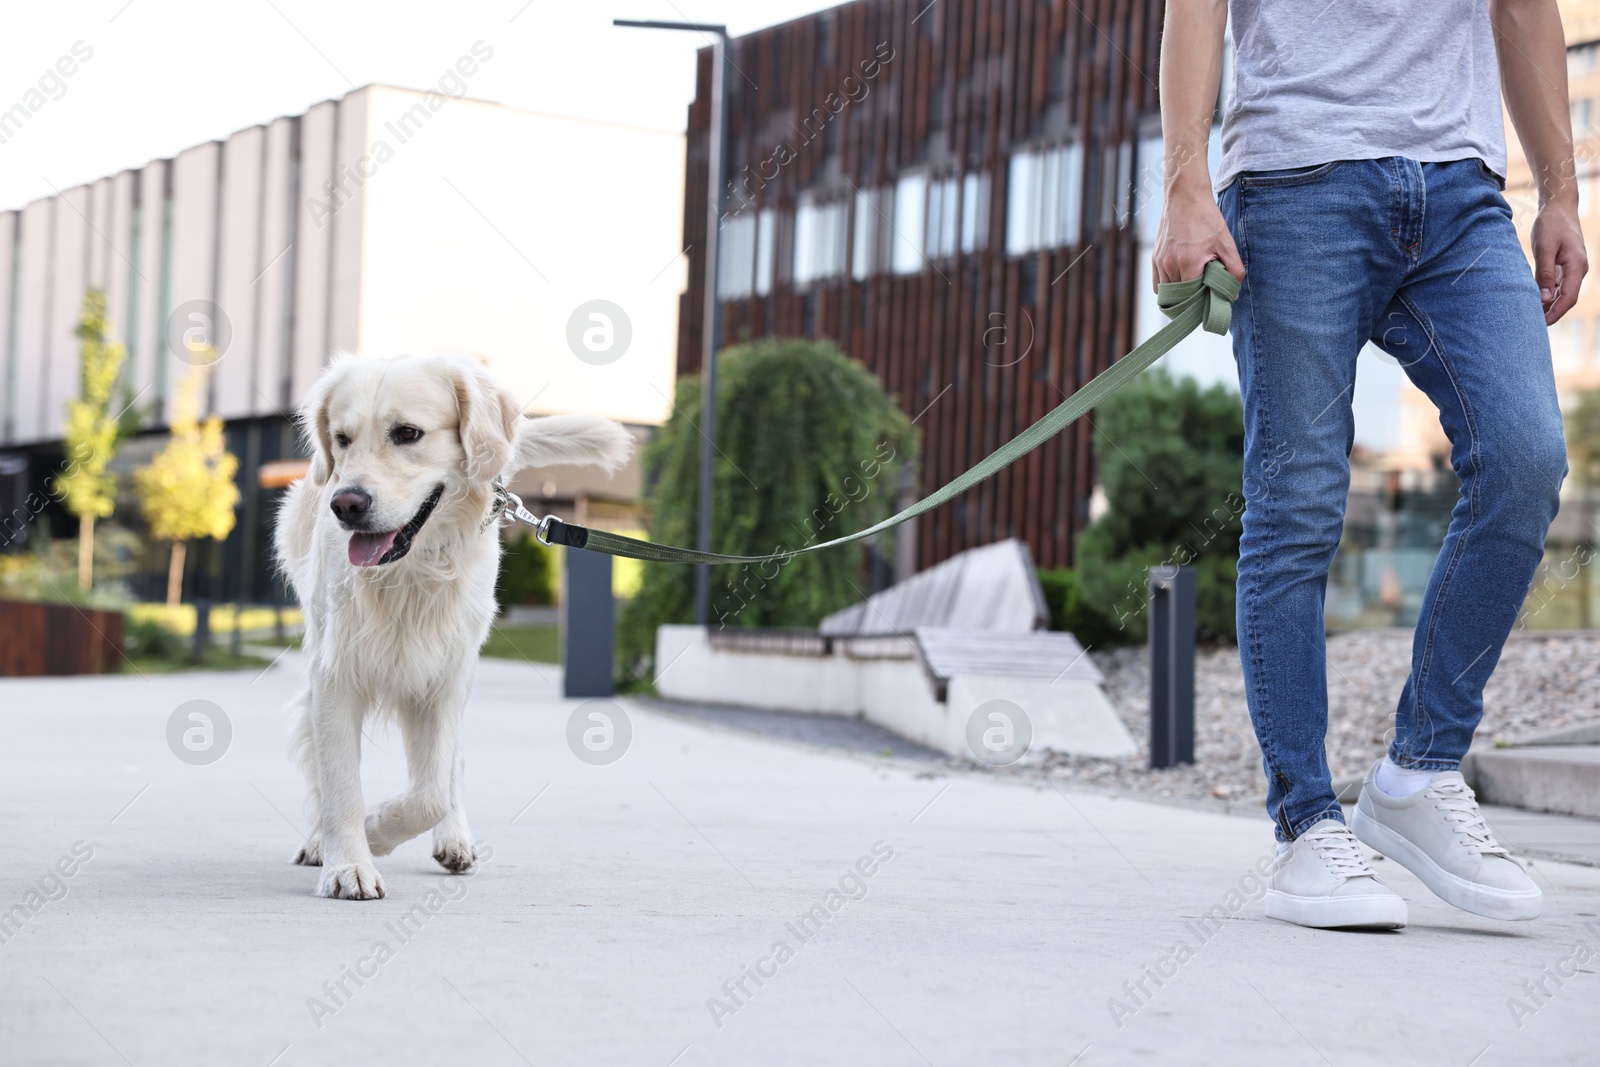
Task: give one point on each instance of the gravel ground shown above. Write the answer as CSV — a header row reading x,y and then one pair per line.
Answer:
x,y
1543,683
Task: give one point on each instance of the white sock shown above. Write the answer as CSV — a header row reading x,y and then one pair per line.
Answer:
x,y
1398,781
1283,847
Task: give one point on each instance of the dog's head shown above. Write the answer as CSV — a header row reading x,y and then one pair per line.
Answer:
x,y
404,445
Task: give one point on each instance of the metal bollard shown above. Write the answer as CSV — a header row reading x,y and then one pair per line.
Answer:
x,y
1171,666
202,629
588,626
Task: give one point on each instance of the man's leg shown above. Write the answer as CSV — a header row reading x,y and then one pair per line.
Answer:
x,y
1469,329
1321,266
1470,332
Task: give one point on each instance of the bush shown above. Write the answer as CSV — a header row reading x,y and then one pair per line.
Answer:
x,y
49,570
525,573
147,639
809,448
1071,611
1172,481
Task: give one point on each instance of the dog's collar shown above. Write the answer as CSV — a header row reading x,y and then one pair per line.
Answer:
x,y
499,508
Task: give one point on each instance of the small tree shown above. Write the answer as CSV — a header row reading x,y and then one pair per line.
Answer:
x,y
808,448
1171,461
187,491
87,487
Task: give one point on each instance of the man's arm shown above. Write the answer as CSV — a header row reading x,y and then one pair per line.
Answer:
x,y
1192,232
1533,77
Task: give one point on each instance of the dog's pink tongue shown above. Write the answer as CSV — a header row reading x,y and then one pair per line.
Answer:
x,y
366,549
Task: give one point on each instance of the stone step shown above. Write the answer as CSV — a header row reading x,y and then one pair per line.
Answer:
x,y
1558,778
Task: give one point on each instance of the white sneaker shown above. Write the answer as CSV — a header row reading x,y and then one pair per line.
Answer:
x,y
1323,880
1439,835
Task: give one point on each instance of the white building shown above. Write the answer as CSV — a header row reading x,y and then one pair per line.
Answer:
x,y
388,221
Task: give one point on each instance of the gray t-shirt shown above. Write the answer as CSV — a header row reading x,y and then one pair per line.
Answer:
x,y
1319,80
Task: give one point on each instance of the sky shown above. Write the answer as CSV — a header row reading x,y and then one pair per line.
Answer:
x,y
163,75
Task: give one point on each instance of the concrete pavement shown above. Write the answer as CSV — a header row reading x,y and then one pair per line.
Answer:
x,y
632,912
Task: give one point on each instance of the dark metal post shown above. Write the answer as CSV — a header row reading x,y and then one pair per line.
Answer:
x,y
202,628
712,318
587,626
1171,666
711,333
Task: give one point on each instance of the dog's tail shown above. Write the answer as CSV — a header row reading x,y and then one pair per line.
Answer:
x,y
555,440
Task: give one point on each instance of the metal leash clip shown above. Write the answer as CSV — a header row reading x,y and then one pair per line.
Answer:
x,y
515,512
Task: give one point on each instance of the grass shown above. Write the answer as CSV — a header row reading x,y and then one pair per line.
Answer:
x,y
289,641
538,643
180,619
217,659
535,642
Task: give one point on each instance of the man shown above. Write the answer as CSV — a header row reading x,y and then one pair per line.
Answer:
x,y
1359,198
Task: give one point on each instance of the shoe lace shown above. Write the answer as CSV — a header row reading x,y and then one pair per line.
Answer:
x,y
1460,807
1337,847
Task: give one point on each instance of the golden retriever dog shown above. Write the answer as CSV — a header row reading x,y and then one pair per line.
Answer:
x,y
392,544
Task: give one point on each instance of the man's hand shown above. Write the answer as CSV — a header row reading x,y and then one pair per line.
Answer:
x,y
1192,234
1532,50
1559,258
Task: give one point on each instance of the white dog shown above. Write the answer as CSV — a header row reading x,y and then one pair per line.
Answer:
x,y
392,545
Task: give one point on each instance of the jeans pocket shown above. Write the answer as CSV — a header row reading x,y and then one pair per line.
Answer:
x,y
1266,179
1490,175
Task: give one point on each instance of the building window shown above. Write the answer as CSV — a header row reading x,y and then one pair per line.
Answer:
x,y
1044,194
1580,58
736,258
766,249
944,209
908,252
1117,195
820,229
1566,344
866,252
974,212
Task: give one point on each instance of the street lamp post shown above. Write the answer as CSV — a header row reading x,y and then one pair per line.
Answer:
x,y
711,331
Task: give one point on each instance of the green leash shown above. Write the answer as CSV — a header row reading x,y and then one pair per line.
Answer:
x,y
1206,301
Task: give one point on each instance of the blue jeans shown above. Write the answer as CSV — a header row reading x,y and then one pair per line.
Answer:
x,y
1421,259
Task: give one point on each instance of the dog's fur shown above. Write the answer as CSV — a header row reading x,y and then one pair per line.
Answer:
x,y
401,638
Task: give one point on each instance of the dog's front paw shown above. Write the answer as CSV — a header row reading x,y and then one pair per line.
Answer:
x,y
310,854
456,856
351,881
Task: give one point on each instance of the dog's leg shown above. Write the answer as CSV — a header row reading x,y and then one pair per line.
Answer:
x,y
452,840
303,750
347,868
432,729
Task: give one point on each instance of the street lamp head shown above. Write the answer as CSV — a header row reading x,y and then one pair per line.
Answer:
x,y
657,24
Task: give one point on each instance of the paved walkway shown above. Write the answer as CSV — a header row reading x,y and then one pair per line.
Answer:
x,y
955,919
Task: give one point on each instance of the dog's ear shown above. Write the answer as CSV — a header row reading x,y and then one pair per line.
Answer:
x,y
488,421
551,440
313,420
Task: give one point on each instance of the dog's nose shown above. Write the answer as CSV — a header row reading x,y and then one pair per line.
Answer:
x,y
350,506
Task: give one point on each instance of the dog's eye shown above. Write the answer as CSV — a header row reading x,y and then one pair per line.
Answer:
x,y
405,435
342,439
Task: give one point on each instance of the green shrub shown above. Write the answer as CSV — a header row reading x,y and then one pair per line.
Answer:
x,y
1072,612
809,448
525,573
1171,463
147,639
